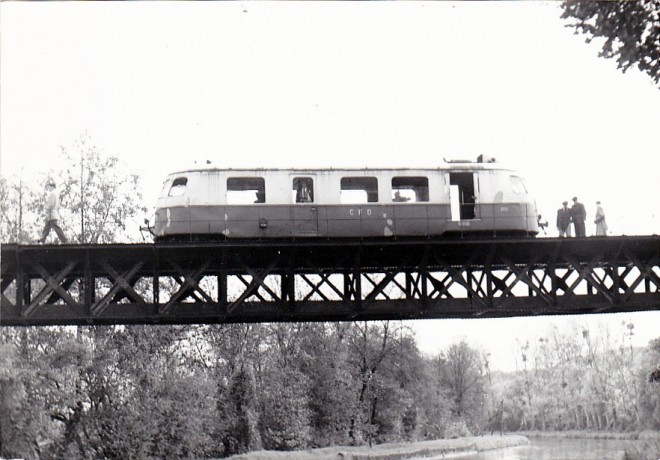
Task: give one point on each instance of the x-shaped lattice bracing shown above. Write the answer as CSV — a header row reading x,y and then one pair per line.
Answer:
x,y
324,280
378,290
440,286
585,273
188,285
252,287
120,284
53,284
646,272
522,275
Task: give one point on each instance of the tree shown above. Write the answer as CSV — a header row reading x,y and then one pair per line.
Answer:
x,y
582,379
285,415
39,389
399,393
239,416
333,396
631,30
236,349
649,381
97,195
462,373
20,217
369,345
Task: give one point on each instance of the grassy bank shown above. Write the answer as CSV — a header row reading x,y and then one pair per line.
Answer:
x,y
394,451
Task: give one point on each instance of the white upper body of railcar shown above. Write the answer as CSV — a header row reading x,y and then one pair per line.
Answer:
x,y
265,203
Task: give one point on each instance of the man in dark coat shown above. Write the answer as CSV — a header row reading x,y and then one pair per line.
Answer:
x,y
579,215
564,220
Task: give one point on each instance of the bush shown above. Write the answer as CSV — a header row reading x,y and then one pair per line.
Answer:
x,y
644,451
457,429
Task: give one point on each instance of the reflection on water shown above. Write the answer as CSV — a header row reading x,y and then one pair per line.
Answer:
x,y
557,449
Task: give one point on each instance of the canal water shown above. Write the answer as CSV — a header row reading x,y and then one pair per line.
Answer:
x,y
557,449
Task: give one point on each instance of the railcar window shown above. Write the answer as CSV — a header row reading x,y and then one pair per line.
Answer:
x,y
303,190
355,190
166,188
178,187
518,185
410,189
245,190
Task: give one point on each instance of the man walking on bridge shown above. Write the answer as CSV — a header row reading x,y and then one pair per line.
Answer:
x,y
52,213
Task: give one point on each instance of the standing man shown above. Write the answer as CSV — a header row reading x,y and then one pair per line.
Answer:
x,y
579,215
564,220
601,225
52,213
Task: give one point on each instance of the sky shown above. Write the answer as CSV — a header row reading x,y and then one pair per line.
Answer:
x,y
168,85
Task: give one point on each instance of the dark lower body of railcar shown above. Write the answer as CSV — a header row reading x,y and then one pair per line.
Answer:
x,y
341,221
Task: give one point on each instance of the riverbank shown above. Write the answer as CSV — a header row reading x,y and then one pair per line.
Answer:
x,y
395,451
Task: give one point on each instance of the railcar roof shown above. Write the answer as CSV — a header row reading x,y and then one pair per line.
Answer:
x,y
449,166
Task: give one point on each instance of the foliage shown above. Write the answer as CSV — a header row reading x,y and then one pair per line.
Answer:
x,y
631,31
238,412
285,415
582,380
645,451
21,212
462,373
457,430
97,196
210,391
649,382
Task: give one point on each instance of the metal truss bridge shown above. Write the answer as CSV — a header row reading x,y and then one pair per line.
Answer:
x,y
266,281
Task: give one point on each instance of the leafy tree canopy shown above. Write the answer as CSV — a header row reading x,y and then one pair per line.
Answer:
x,y
631,30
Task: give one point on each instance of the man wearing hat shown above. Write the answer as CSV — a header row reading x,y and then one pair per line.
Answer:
x,y
52,213
564,220
579,215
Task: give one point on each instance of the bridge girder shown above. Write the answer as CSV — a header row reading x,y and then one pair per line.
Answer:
x,y
306,280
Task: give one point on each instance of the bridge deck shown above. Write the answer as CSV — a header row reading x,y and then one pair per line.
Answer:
x,y
308,280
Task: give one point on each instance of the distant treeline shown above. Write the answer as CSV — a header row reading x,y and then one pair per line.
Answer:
x,y
583,380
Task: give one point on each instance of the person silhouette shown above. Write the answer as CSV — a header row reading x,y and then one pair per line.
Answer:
x,y
52,213
578,215
564,220
601,224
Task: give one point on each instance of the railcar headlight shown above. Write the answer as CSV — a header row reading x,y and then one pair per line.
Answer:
x,y
263,223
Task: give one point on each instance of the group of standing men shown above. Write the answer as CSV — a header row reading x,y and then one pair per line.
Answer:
x,y
577,215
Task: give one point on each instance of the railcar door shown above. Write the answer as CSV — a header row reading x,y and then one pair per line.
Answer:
x,y
304,212
462,195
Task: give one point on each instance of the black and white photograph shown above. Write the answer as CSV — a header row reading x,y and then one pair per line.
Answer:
x,y
330,230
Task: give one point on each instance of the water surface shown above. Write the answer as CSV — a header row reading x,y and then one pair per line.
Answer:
x,y
557,449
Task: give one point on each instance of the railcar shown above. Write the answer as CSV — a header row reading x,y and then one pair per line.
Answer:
x,y
458,198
